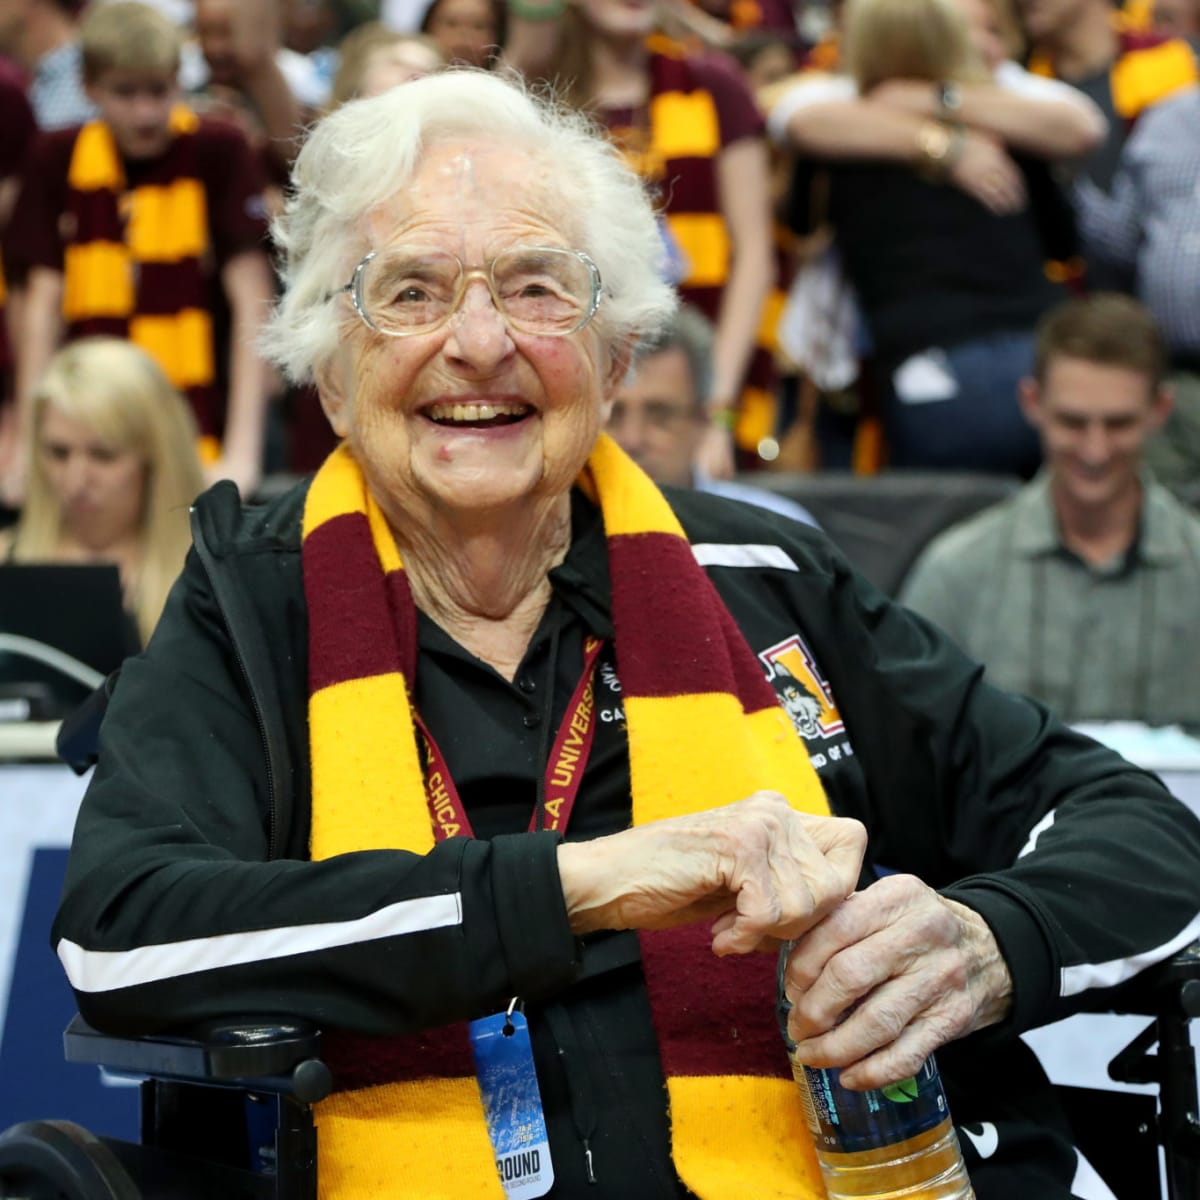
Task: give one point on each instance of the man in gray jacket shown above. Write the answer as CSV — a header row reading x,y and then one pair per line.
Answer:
x,y
1081,589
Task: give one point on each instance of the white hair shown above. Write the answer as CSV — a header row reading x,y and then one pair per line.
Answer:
x,y
362,155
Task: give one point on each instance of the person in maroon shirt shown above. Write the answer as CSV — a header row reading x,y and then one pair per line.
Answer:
x,y
17,128
686,123
175,279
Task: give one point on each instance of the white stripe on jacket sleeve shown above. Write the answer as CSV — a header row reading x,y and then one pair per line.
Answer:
x,y
107,970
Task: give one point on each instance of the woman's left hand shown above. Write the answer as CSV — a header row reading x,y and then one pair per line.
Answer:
x,y
889,976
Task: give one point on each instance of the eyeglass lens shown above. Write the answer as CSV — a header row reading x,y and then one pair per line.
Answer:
x,y
408,289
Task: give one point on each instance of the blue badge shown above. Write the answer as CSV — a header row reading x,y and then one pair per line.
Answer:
x,y
512,1103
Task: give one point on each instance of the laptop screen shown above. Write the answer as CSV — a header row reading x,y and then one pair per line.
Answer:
x,y
73,608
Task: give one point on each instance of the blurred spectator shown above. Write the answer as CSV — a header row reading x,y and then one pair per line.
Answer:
x,y
688,124
1124,72
1177,19
932,167
310,26
247,75
1081,590
114,471
373,58
136,224
467,32
765,58
42,37
661,411
17,128
743,15
1149,228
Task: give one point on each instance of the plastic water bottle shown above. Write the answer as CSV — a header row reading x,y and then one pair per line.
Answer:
x,y
893,1143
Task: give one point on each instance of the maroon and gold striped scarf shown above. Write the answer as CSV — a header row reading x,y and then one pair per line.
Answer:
x,y
133,261
704,728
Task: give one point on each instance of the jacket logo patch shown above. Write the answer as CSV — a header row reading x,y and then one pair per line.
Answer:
x,y
804,695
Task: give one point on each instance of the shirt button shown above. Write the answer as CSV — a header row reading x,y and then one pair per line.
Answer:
x,y
527,685
531,720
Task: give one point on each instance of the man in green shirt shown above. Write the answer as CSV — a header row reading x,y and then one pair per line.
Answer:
x,y
1082,588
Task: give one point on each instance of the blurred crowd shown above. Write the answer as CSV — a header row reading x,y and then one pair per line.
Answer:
x,y
873,211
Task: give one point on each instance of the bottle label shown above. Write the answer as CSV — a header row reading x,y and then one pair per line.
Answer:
x,y
844,1122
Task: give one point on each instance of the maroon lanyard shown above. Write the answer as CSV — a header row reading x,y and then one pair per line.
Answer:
x,y
564,773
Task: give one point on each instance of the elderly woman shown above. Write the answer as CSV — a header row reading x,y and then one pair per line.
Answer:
x,y
424,741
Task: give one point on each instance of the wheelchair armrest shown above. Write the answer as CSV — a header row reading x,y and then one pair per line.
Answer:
x,y
1169,992
268,1054
1169,988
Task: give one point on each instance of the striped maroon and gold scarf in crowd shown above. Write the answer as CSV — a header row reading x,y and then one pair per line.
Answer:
x,y
677,153
704,729
134,258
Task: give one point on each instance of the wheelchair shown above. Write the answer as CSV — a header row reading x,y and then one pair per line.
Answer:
x,y
226,1108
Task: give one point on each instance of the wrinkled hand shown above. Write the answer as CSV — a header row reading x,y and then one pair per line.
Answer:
x,y
762,871
908,969
714,455
985,171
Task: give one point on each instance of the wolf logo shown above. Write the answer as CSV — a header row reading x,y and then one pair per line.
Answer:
x,y
798,702
803,692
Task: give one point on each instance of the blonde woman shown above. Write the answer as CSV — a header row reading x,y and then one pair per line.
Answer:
x,y
114,469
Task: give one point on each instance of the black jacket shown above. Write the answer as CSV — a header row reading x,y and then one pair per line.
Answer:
x,y
189,867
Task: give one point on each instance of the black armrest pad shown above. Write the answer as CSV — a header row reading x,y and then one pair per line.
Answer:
x,y
263,1050
1171,987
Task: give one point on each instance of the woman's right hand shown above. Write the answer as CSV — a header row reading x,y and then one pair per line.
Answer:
x,y
760,870
984,170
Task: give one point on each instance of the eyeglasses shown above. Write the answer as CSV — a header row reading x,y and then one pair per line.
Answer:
x,y
543,290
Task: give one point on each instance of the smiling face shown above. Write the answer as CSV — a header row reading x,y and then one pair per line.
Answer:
x,y
474,416
1093,420
99,486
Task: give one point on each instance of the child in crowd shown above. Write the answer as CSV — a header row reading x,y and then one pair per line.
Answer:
x,y
146,223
